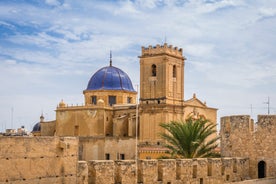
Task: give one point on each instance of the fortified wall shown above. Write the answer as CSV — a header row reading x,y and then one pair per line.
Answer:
x,y
32,160
167,171
41,160
240,136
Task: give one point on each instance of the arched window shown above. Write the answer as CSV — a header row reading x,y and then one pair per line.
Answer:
x,y
174,71
261,169
153,70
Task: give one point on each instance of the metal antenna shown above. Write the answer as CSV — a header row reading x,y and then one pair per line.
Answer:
x,y
268,107
110,62
251,108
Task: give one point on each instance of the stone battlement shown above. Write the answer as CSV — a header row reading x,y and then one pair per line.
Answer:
x,y
240,136
246,124
161,49
200,170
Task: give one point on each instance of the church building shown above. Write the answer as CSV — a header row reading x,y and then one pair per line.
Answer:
x,y
112,124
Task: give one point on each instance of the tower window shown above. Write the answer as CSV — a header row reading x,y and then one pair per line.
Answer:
x,y
153,70
122,156
107,156
112,100
174,71
94,100
129,99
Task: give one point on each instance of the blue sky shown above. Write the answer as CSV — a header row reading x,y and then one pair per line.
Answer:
x,y
49,49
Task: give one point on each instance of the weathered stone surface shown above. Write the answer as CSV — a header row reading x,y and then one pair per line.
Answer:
x,y
239,138
167,170
37,159
125,172
147,171
82,172
101,171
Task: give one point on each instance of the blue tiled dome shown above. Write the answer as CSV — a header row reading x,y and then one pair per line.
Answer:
x,y
36,127
110,78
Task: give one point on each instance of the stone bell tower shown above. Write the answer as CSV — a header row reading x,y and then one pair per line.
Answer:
x,y
161,90
161,75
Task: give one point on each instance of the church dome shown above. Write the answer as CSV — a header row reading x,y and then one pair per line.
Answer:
x,y
110,78
36,127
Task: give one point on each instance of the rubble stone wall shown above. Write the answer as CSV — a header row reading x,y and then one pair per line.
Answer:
x,y
240,137
169,171
32,160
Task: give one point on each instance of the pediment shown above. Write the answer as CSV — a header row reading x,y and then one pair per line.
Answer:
x,y
195,102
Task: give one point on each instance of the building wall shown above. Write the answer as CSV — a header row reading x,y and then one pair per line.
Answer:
x,y
239,137
97,148
35,160
152,115
48,128
121,96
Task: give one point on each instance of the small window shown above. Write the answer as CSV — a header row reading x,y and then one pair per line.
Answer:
x,y
222,170
107,156
76,130
201,180
209,169
112,100
174,71
153,70
122,156
194,171
94,100
227,177
129,100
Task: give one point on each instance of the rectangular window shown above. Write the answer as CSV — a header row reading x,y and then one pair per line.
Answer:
x,y
107,156
201,180
122,156
94,100
129,99
194,171
76,130
209,169
227,177
112,100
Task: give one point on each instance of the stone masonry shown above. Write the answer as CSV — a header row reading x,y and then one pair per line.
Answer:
x,y
28,160
241,137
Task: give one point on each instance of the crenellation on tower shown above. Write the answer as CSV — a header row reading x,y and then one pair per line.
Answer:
x,y
239,138
266,121
162,49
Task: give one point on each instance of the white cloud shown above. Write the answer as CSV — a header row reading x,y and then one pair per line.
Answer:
x,y
228,50
267,12
53,2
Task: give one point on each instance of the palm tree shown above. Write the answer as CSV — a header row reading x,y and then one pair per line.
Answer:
x,y
190,138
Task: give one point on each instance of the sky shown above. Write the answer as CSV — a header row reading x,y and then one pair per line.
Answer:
x,y
49,49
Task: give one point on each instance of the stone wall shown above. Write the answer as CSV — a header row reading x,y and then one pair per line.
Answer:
x,y
241,137
32,160
258,181
169,171
97,148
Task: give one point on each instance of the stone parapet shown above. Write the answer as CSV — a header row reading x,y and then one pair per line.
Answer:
x,y
147,171
162,49
173,171
125,172
101,171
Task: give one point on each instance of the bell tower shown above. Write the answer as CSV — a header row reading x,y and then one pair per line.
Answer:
x,y
162,75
